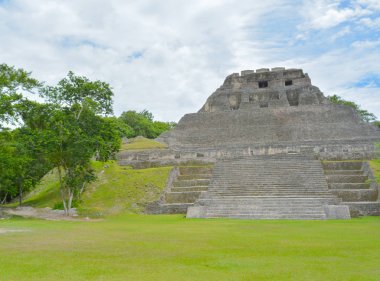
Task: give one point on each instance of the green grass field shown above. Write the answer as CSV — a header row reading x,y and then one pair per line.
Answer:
x,y
125,246
139,247
141,143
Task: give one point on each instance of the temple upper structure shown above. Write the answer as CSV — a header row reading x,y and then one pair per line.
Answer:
x,y
264,88
271,108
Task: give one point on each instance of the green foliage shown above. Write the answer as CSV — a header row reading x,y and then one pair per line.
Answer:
x,y
65,132
142,124
46,193
377,123
12,82
23,161
364,114
80,132
78,92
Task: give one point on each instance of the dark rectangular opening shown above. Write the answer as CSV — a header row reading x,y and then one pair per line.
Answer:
x,y
263,84
288,82
263,104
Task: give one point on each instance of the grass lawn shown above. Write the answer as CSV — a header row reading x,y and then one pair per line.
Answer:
x,y
118,189
141,247
375,166
141,143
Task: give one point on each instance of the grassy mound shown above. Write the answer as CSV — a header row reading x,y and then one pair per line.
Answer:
x,y
141,143
118,189
122,189
141,247
375,166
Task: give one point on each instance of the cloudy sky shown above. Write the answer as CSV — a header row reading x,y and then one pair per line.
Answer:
x,y
168,56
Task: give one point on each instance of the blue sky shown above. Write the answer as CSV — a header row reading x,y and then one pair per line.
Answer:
x,y
169,56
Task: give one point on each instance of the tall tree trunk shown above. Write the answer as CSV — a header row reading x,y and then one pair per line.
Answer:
x,y
5,198
62,190
20,192
71,195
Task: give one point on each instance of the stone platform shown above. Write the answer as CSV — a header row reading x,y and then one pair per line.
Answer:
x,y
268,187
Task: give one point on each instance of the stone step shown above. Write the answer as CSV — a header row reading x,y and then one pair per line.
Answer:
x,y
189,188
217,184
182,197
356,195
262,168
266,217
237,190
267,211
190,170
346,178
342,165
194,176
257,200
197,182
267,189
363,208
178,208
333,186
306,207
344,172
270,194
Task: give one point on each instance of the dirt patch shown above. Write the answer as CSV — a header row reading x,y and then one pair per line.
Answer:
x,y
5,230
44,213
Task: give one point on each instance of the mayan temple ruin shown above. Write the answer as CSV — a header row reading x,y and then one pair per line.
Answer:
x,y
267,144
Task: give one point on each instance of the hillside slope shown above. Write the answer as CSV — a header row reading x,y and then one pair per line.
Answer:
x,y
118,189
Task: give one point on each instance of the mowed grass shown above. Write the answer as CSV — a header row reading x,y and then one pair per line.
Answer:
x,y
375,166
118,189
141,143
142,247
121,189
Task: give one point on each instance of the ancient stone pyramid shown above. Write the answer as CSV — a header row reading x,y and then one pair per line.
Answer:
x,y
273,110
279,149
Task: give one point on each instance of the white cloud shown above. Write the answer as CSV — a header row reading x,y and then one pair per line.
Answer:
x,y
371,23
168,57
323,14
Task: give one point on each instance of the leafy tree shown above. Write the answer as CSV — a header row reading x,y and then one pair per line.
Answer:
x,y
80,131
66,132
12,83
142,124
23,165
364,114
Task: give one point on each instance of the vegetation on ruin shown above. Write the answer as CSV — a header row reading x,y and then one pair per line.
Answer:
x,y
139,247
364,114
141,143
118,189
375,166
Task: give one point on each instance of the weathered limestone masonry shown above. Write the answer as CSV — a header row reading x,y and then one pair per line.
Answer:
x,y
271,117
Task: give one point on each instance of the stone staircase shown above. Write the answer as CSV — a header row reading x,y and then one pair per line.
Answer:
x,y
184,187
268,187
353,182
